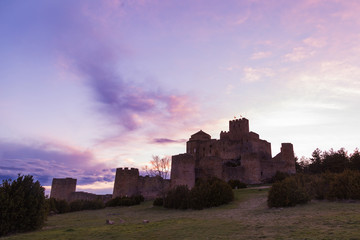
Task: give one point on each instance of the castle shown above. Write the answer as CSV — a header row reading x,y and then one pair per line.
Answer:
x,y
239,154
64,189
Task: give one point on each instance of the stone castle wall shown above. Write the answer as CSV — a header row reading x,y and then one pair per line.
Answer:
x,y
61,188
64,189
89,196
129,183
239,154
183,170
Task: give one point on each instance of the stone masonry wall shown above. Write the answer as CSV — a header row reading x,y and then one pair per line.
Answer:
x,y
61,188
126,182
129,183
183,170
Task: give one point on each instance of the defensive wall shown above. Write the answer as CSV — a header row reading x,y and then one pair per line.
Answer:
x,y
65,189
239,154
128,182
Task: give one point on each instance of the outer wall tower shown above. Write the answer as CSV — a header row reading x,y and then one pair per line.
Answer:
x,y
126,182
61,188
183,170
288,156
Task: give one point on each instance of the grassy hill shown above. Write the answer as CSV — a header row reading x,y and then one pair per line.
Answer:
x,y
246,218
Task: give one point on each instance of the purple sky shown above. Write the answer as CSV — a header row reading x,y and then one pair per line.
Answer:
x,y
89,86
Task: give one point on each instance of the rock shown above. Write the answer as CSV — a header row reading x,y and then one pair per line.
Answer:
x,y
146,221
109,222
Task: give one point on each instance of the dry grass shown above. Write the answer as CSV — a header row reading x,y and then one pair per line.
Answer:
x,y
246,218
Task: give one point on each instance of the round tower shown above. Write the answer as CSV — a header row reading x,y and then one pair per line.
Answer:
x,y
126,182
61,188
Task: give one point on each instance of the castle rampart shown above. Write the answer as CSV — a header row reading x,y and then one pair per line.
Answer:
x,y
129,183
64,189
61,188
183,170
239,154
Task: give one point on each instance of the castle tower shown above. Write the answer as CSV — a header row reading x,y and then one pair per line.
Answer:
x,y
61,188
183,170
126,182
288,156
238,128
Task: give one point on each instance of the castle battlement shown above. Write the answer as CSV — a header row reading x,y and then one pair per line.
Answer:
x,y
128,171
238,155
239,126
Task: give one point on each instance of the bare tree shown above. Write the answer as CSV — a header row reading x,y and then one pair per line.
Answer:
x,y
159,167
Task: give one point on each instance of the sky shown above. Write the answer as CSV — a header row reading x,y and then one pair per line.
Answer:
x,y
89,86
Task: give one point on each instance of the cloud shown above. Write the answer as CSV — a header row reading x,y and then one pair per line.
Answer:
x,y
126,103
50,160
166,140
298,54
314,42
260,55
256,74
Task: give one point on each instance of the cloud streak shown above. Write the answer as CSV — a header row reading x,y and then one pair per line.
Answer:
x,y
49,160
126,103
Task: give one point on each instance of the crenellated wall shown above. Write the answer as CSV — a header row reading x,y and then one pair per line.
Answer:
x,y
64,189
183,170
238,154
129,183
126,182
61,188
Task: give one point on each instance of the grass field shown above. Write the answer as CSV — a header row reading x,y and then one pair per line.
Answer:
x,y
246,218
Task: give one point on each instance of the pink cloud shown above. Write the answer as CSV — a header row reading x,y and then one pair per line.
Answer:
x,y
261,55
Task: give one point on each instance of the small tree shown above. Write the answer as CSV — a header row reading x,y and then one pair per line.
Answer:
x,y
22,205
159,167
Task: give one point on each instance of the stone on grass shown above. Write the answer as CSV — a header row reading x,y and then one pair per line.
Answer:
x,y
109,222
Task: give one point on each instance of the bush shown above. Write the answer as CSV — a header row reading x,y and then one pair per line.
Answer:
x,y
158,202
206,193
301,188
178,198
23,206
62,206
287,193
320,185
125,201
279,176
345,185
80,205
57,206
236,184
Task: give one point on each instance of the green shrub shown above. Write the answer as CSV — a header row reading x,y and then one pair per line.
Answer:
x,y
218,192
236,184
178,198
125,201
301,188
80,205
57,206
23,206
279,176
345,185
206,193
200,195
62,206
158,202
287,193
320,185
